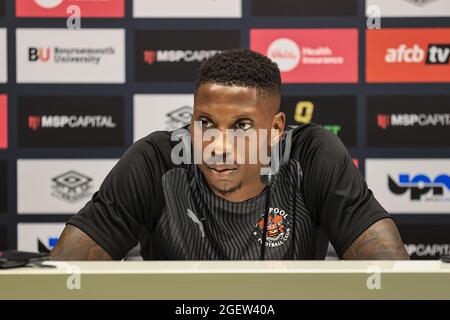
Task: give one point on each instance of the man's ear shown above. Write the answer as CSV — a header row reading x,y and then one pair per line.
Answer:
x,y
278,123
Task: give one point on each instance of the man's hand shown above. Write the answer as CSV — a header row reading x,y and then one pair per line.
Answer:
x,y
380,242
74,244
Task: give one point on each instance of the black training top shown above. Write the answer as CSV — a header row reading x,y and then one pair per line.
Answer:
x,y
317,194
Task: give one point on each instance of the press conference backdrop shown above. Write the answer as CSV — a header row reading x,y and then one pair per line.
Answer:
x,y
72,101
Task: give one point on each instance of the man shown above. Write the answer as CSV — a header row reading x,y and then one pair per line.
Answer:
x,y
218,208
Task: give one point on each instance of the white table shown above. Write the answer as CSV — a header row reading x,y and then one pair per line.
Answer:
x,y
230,280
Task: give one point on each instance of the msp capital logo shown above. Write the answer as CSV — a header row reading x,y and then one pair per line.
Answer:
x,y
278,230
425,241
408,121
70,121
384,121
154,56
175,55
71,186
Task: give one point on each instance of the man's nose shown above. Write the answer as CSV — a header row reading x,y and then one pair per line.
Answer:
x,y
223,144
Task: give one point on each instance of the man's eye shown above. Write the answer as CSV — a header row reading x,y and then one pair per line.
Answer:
x,y
244,125
206,124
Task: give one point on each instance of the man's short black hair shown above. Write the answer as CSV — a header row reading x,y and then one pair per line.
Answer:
x,y
241,67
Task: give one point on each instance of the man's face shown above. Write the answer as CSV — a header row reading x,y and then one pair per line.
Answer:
x,y
225,109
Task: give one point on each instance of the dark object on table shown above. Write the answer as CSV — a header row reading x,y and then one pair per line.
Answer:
x,y
13,259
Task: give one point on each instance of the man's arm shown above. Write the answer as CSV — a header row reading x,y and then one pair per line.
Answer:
x,y
120,209
74,244
380,242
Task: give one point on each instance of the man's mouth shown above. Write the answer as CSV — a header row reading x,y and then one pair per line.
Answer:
x,y
221,171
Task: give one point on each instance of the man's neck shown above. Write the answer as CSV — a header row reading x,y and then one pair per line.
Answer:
x,y
242,194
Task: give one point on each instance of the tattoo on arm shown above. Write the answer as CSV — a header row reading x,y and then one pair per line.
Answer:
x,y
74,244
381,241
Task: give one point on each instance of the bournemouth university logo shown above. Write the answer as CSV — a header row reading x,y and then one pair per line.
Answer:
x,y
56,55
71,186
278,230
70,55
39,54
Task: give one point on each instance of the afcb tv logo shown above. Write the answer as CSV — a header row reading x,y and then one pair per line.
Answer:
x,y
408,55
435,54
420,185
